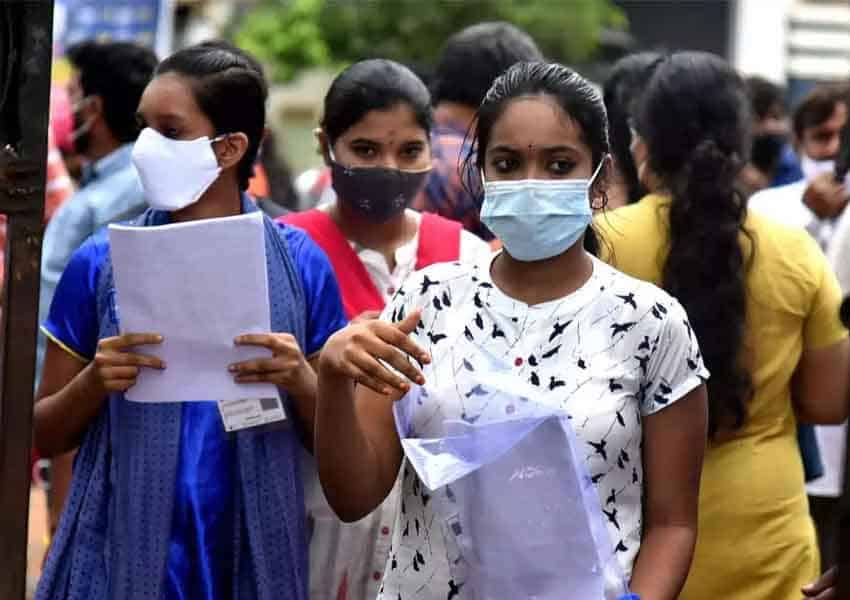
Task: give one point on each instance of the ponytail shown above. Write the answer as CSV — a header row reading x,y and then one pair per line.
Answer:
x,y
694,119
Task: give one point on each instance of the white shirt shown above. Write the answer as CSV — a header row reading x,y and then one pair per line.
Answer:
x,y
609,354
832,439
784,204
347,560
472,249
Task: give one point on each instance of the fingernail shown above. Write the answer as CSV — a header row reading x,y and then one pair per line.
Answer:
x,y
159,338
232,368
420,380
386,391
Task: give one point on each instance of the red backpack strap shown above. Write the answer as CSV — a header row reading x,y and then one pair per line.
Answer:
x,y
359,293
439,240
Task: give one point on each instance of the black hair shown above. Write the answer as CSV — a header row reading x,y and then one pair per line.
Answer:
x,y
625,82
118,73
818,106
574,94
230,89
375,84
472,59
695,119
764,95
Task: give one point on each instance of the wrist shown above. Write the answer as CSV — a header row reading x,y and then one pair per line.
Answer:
x,y
90,384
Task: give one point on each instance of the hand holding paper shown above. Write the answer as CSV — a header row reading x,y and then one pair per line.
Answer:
x,y
117,368
287,368
199,285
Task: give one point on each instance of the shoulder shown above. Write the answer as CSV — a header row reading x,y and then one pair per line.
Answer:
x,y
309,258
622,226
618,288
473,247
778,241
632,238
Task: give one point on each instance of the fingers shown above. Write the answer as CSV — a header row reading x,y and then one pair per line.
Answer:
x,y
395,335
823,588
381,379
257,365
410,322
129,340
272,341
400,363
113,358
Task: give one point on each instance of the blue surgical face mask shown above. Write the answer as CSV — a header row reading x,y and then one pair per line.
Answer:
x,y
538,219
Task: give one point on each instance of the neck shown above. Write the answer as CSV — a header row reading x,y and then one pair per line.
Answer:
x,y
222,199
101,145
452,112
545,280
385,236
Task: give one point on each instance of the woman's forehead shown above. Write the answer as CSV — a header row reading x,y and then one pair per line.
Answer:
x,y
396,123
535,121
170,93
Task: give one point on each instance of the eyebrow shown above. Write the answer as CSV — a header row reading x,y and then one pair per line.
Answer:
x,y
549,149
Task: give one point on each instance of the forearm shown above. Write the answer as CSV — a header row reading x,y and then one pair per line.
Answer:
x,y
304,402
354,478
662,565
61,418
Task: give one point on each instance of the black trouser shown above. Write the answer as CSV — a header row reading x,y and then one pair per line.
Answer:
x,y
826,514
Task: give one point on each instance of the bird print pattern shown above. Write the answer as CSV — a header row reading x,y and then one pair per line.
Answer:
x,y
609,354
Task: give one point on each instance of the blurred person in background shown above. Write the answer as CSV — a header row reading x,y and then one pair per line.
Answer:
x,y
773,161
825,491
107,81
469,63
818,199
106,84
621,91
764,305
375,137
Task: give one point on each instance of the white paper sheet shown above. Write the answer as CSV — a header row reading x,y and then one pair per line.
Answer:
x,y
199,285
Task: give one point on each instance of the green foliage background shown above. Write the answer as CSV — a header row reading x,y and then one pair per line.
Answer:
x,y
291,35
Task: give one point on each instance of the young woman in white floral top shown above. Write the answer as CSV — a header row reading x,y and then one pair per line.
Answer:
x,y
615,354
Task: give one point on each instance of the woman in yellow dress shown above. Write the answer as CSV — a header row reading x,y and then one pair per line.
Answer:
x,y
764,305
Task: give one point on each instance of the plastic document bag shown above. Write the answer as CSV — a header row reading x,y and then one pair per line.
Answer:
x,y
525,517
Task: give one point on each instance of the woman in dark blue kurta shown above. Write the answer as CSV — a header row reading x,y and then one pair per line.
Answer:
x,y
163,503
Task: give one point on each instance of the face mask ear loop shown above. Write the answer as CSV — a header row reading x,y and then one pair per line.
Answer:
x,y
596,172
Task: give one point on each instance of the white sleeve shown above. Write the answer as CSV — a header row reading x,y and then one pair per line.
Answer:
x,y
838,251
676,367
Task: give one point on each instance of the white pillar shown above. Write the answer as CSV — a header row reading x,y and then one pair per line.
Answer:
x,y
759,38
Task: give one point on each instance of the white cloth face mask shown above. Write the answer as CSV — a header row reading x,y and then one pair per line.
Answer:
x,y
174,173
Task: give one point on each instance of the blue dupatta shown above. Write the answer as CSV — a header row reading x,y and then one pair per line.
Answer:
x,y
113,538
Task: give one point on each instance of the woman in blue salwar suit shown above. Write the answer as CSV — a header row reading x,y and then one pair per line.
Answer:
x,y
163,503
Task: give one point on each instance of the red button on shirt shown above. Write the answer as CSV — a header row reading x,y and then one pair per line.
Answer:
x,y
390,290
518,361
376,576
385,530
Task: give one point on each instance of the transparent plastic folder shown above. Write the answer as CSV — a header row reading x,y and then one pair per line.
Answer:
x,y
521,516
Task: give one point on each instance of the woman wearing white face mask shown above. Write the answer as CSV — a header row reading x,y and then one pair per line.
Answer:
x,y
163,503
613,353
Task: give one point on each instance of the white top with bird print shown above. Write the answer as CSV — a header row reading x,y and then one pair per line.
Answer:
x,y
612,352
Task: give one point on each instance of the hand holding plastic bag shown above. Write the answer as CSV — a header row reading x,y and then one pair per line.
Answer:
x,y
525,518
